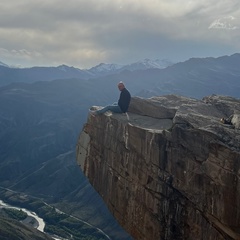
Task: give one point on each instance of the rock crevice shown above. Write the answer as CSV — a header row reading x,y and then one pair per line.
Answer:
x,y
170,171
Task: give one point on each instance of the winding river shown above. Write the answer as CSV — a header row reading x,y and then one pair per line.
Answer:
x,y
35,221
38,223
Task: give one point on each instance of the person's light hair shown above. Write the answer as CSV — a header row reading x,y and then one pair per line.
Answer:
x,y
121,83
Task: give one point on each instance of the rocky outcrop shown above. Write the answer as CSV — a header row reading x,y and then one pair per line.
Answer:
x,y
170,171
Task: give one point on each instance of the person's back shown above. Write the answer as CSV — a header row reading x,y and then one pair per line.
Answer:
x,y
124,100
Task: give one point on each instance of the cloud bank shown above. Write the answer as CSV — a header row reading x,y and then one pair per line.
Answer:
x,y
84,33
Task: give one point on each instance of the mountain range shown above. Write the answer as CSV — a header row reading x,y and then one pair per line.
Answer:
x,y
195,77
106,69
43,109
10,74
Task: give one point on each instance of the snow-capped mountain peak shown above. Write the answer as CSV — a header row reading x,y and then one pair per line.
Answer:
x,y
105,67
157,63
63,68
148,63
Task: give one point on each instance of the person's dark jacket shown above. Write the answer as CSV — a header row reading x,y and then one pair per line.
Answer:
x,y
124,100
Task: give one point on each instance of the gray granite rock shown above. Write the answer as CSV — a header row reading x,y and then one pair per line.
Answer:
x,y
170,169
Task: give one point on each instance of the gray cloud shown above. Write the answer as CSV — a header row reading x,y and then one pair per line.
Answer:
x,y
83,33
225,23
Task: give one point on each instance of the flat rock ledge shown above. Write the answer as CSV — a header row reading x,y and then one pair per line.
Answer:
x,y
169,169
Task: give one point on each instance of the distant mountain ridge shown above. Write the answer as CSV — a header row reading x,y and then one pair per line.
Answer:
x,y
34,74
200,76
104,68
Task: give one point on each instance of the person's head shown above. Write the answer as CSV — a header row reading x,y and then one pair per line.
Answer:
x,y
222,120
121,86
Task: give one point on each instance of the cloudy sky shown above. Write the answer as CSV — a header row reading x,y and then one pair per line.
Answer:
x,y
84,33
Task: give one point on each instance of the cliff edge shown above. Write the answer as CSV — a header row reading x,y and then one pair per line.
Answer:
x,y
170,171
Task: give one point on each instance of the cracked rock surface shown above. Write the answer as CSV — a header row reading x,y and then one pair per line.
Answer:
x,y
169,171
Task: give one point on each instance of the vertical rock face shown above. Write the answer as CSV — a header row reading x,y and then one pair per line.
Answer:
x,y
171,171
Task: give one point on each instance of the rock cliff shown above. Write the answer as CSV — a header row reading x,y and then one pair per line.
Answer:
x,y
170,171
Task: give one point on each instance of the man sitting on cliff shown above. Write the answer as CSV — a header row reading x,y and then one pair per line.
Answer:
x,y
121,106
